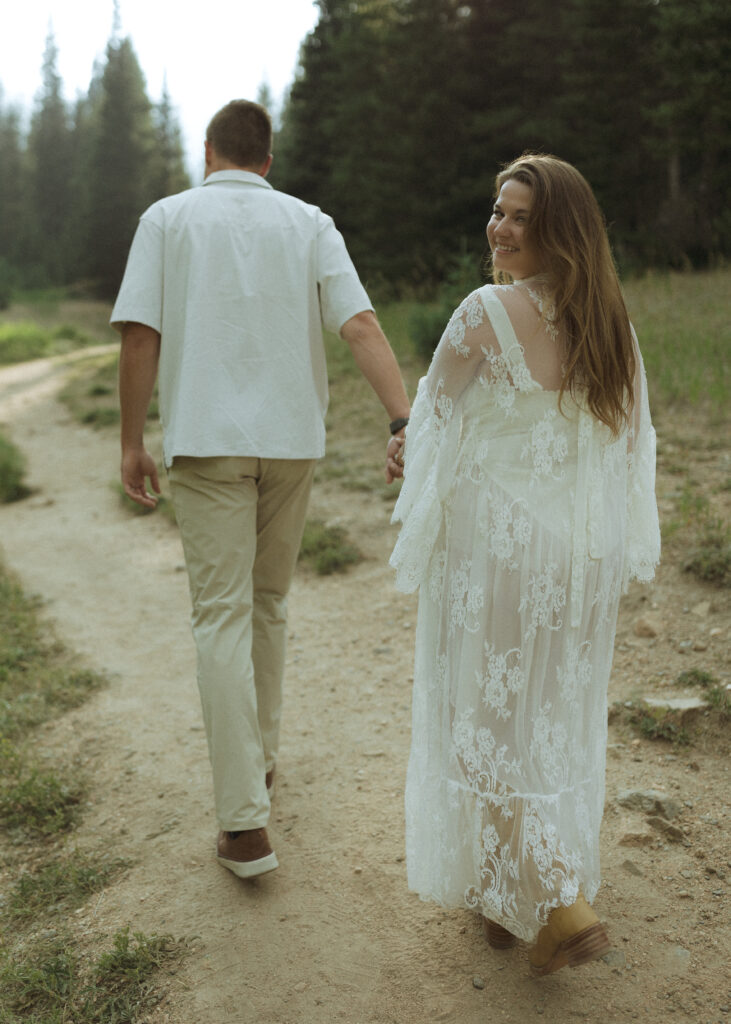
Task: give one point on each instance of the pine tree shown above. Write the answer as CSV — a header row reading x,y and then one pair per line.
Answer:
x,y
119,170
607,88
305,144
167,164
691,129
13,204
265,98
49,175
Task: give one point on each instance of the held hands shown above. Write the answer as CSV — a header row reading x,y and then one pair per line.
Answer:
x,y
137,464
395,458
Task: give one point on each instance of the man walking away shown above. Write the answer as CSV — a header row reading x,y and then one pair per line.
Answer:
x,y
224,297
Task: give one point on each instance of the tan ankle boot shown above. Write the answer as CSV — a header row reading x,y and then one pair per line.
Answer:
x,y
572,936
497,936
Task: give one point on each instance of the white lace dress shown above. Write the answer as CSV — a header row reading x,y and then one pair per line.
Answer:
x,y
522,524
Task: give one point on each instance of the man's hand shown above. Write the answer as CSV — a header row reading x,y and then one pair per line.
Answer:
x,y
137,465
394,459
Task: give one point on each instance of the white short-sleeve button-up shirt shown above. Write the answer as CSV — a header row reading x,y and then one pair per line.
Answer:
x,y
239,279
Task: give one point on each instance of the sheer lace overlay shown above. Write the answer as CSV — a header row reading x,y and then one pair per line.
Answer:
x,y
521,524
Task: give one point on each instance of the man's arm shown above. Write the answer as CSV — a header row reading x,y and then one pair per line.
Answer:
x,y
376,361
138,363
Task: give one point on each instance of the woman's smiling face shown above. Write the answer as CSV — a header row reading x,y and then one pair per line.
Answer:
x,y
512,250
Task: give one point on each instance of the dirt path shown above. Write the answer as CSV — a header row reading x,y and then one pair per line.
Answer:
x,y
334,935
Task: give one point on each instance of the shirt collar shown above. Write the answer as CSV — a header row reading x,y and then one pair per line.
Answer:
x,y
245,177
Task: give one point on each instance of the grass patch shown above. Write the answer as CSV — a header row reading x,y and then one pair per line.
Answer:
x,y
703,536
23,340
650,723
75,316
164,507
38,680
710,555
38,677
52,984
716,694
661,726
326,548
36,802
90,393
12,473
695,677
684,331
51,977
20,342
60,885
671,725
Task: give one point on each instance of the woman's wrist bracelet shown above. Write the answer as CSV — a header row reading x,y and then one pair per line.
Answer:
x,y
396,425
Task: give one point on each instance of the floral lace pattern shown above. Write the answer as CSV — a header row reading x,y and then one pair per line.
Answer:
x,y
506,528
465,599
545,305
574,675
520,526
470,314
498,382
544,597
546,448
499,680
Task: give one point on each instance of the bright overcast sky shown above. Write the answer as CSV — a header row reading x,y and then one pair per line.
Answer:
x,y
211,51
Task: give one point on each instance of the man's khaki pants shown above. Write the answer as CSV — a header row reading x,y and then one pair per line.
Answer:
x,y
241,523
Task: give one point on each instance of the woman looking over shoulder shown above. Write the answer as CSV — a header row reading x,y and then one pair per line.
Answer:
x,y
527,506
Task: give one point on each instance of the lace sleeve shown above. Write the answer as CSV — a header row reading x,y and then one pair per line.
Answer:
x,y
432,439
643,529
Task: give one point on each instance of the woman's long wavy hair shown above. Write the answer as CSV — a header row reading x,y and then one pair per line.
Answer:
x,y
568,229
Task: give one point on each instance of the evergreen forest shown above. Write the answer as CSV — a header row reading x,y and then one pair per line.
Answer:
x,y
399,116
74,185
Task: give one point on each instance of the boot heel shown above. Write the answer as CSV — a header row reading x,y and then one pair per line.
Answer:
x,y
497,936
589,944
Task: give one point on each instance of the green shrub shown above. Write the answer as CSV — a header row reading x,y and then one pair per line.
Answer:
x,y
101,417
662,727
716,693
67,332
43,982
326,548
12,471
427,322
20,342
710,557
695,677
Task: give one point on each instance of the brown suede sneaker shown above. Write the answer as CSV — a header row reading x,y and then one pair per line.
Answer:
x,y
247,855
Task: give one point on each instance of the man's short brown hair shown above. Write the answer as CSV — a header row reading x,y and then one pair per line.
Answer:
x,y
242,133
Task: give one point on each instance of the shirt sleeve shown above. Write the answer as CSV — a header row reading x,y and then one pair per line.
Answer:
x,y
140,295
342,295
